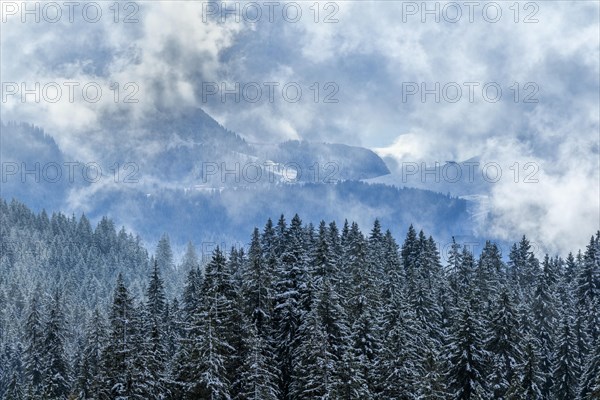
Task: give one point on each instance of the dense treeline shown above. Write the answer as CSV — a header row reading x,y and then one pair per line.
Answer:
x,y
305,313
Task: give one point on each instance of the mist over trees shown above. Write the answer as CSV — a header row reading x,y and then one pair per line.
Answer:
x,y
304,312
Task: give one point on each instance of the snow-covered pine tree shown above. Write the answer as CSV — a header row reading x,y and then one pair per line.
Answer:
x,y
544,321
290,284
393,273
527,382
164,258
399,360
258,379
191,295
122,347
466,376
190,258
432,383
90,375
164,254
523,267
503,345
237,321
409,253
422,294
489,275
565,370
154,346
257,291
376,250
57,379
14,389
323,333
183,367
364,309
588,289
204,371
280,236
34,339
458,272
590,381
314,369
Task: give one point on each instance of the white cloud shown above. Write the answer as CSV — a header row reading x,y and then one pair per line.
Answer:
x,y
369,53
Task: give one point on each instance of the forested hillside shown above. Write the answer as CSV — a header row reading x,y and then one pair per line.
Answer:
x,y
304,312
198,181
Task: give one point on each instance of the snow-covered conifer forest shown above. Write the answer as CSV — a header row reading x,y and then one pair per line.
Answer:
x,y
303,312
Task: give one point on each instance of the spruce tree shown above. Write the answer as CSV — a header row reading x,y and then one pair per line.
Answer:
x,y
190,258
291,283
258,380
589,388
588,289
409,253
203,373
399,365
523,267
565,370
119,355
56,384
503,345
154,344
257,287
14,389
544,320
314,367
34,340
191,296
528,380
237,324
90,375
393,274
467,358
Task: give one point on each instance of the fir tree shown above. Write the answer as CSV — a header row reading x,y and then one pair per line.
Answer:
x,y
503,345
155,351
544,321
527,382
289,286
122,347
588,287
409,253
191,295
89,380
399,360
467,358
190,258
589,388
204,373
315,363
34,350
57,378
14,390
523,267
257,287
258,381
565,371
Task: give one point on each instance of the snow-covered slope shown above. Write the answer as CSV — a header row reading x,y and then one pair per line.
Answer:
x,y
189,175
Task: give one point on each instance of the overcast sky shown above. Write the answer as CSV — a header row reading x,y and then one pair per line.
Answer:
x,y
372,57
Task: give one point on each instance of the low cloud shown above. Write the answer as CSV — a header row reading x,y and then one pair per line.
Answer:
x,y
371,53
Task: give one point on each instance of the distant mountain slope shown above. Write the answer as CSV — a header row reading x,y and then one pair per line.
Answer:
x,y
32,166
189,175
334,161
191,148
465,178
222,216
